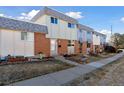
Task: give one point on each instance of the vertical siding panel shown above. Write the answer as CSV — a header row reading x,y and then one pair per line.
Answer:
x,y
13,45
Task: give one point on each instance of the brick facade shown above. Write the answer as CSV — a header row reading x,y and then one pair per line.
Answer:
x,y
41,44
62,46
84,48
77,47
91,47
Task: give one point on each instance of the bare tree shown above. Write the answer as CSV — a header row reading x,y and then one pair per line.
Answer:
x,y
118,40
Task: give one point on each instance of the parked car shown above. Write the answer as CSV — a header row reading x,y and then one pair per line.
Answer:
x,y
119,51
110,49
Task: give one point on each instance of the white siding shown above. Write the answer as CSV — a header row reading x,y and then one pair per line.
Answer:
x,y
59,30
12,44
84,36
42,20
96,40
63,30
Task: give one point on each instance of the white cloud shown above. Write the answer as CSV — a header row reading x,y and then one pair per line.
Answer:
x,y
76,15
28,16
3,15
122,19
107,33
23,16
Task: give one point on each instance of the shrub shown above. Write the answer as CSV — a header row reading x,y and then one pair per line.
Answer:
x,y
93,54
110,49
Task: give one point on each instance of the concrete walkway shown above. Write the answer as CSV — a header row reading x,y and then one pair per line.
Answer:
x,y
66,61
65,76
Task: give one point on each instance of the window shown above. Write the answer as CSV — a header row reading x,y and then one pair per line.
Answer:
x,y
27,36
69,42
88,33
54,20
70,25
89,37
23,35
97,35
88,45
80,35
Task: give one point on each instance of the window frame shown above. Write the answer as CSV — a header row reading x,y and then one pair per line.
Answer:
x,y
24,36
71,25
27,36
54,20
88,36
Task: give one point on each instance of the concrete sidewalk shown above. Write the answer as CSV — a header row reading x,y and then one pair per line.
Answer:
x,y
64,76
66,61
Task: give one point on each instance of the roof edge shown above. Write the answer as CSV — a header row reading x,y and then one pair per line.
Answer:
x,y
47,11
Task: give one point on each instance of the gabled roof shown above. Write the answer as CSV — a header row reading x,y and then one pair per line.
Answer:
x,y
54,13
13,24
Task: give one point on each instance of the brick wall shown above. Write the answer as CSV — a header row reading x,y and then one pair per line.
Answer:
x,y
91,47
62,46
77,47
84,47
41,44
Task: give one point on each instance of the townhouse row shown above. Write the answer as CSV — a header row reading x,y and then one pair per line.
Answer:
x,y
50,32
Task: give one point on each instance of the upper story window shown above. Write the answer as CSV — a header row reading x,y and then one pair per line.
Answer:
x,y
80,31
80,36
54,20
89,33
97,36
89,37
70,25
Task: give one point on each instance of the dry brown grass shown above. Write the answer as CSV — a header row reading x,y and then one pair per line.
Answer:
x,y
109,75
22,71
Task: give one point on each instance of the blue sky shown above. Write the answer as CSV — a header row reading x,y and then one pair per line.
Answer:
x,y
99,18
